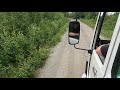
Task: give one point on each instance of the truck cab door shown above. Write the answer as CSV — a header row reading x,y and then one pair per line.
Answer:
x,y
98,64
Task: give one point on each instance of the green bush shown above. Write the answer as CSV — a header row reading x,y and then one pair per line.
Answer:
x,y
25,39
108,24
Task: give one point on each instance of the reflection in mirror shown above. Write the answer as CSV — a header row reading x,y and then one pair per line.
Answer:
x,y
73,41
74,32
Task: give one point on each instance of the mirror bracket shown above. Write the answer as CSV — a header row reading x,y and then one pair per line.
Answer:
x,y
89,51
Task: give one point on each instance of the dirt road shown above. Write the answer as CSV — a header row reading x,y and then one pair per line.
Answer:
x,y
65,61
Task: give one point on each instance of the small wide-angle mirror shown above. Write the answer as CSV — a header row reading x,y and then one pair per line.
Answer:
x,y
74,32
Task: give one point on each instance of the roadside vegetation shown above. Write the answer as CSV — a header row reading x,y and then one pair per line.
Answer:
x,y
25,41
90,18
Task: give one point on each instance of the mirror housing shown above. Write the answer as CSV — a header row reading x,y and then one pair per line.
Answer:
x,y
74,32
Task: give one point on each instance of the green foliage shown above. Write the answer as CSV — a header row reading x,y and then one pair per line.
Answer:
x,y
69,15
90,22
87,15
108,24
25,39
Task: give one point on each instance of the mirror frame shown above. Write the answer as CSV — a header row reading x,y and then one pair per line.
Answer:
x,y
69,31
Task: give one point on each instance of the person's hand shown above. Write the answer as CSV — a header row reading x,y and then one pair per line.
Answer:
x,y
98,50
73,34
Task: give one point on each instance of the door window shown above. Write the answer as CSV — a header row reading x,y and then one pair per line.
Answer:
x,y
105,34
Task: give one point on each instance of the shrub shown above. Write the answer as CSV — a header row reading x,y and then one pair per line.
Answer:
x,y
25,39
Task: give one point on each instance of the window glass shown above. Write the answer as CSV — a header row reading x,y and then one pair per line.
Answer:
x,y
108,25
106,33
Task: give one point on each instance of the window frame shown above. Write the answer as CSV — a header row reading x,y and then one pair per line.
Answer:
x,y
99,33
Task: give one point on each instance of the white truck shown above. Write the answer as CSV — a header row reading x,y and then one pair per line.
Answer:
x,y
96,67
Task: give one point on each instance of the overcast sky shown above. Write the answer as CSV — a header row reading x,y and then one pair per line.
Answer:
x,y
110,13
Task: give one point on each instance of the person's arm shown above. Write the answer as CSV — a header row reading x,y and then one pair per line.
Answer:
x,y
73,34
102,50
98,50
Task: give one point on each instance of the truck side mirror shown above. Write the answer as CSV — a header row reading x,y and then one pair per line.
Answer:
x,y
74,32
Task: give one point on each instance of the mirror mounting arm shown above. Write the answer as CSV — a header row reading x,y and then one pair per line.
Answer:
x,y
76,19
76,16
89,51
